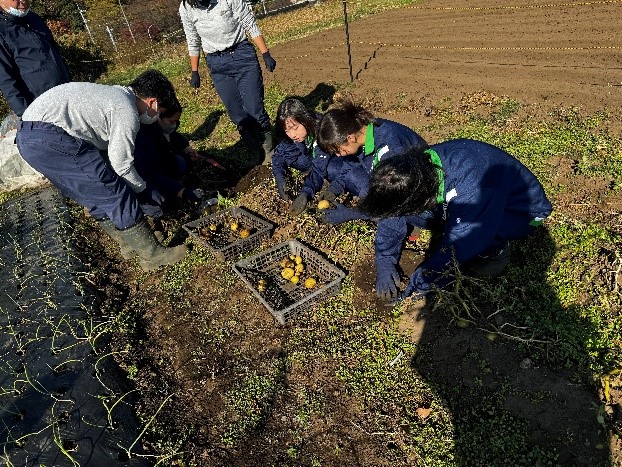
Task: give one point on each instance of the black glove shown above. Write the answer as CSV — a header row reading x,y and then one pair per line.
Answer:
x,y
192,195
299,205
387,280
150,196
327,195
195,80
269,61
340,214
282,193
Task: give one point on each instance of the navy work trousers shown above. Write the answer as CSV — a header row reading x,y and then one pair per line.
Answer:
x,y
79,171
237,77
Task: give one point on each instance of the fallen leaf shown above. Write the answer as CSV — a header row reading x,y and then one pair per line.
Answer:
x,y
423,412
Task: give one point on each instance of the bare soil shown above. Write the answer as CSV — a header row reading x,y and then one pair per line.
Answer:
x,y
539,52
406,63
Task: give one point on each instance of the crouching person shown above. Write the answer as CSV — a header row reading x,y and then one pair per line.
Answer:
x,y
81,137
483,196
162,157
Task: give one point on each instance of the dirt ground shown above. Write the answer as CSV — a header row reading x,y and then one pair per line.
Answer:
x,y
536,51
542,53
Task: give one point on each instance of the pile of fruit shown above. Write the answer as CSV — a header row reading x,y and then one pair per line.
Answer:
x,y
222,233
293,269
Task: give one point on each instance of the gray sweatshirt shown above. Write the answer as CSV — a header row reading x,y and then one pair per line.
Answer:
x,y
105,116
223,24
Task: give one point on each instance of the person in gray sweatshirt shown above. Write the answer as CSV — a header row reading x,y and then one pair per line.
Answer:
x,y
221,27
81,137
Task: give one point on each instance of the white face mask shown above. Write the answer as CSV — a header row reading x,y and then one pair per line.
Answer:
x,y
146,119
168,129
18,13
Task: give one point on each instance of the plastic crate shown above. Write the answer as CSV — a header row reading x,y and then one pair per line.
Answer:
x,y
283,298
227,244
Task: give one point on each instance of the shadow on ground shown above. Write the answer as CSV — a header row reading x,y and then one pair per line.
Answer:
x,y
512,401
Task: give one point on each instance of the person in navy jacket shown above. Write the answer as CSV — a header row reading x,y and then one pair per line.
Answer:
x,y
363,141
483,196
296,148
162,157
30,62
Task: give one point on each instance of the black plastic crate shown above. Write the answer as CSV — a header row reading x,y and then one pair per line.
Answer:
x,y
281,297
225,243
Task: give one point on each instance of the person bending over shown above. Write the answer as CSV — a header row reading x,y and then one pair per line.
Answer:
x,y
81,137
483,196
295,130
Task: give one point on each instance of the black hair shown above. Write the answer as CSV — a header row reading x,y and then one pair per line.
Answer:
x,y
402,185
152,83
339,122
199,3
172,110
293,107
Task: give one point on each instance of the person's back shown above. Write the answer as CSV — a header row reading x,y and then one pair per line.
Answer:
x,y
30,62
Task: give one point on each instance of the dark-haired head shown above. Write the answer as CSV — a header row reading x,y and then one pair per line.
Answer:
x,y
293,108
173,109
338,123
402,185
153,84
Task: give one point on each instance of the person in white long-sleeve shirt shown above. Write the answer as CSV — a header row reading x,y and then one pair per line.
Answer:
x,y
220,28
81,137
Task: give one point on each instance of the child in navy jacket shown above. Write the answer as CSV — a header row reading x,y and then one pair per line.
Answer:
x,y
354,134
483,196
296,148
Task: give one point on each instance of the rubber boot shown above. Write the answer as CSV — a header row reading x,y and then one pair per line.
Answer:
x,y
108,227
152,254
267,145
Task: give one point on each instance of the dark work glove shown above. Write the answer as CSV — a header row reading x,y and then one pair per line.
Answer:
x,y
327,195
195,80
192,195
387,280
282,193
299,205
269,61
340,214
150,196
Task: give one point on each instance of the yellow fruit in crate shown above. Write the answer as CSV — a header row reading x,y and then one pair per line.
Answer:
x,y
324,204
234,225
310,282
295,279
299,267
213,227
287,273
298,259
292,257
244,233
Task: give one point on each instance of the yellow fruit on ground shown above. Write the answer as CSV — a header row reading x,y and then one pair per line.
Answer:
x,y
462,323
310,282
295,279
287,273
324,204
